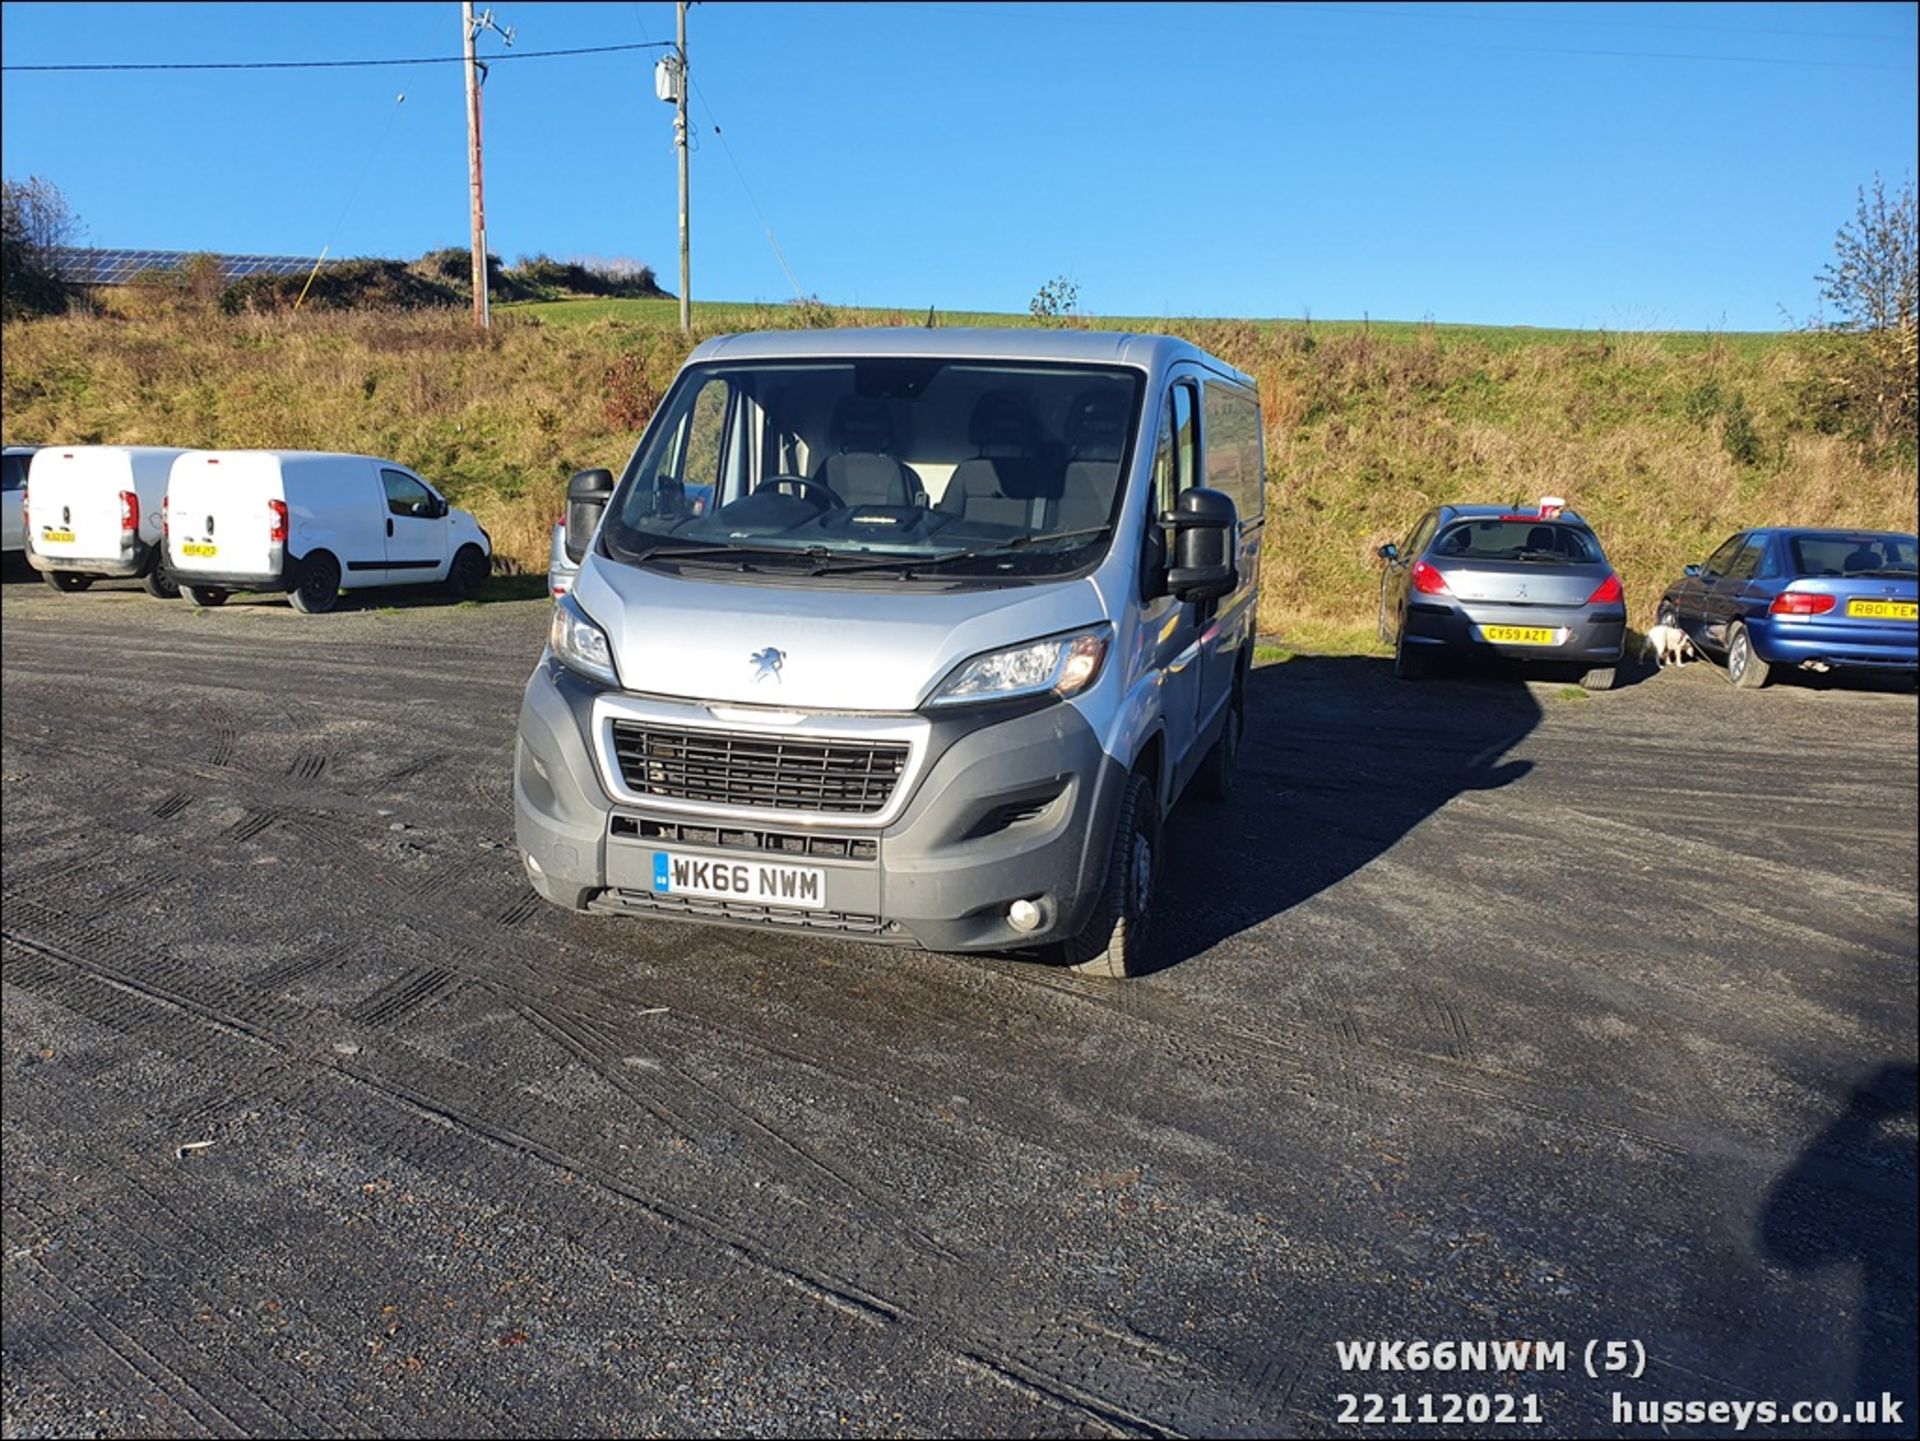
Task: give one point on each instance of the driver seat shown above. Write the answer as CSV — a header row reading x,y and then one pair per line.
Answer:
x,y
860,467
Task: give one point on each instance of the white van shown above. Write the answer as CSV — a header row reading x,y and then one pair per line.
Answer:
x,y
97,510
313,524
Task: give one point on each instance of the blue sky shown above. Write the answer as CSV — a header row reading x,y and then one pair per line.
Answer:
x,y
1626,166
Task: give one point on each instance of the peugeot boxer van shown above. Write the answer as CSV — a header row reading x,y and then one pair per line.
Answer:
x,y
96,511
313,524
913,636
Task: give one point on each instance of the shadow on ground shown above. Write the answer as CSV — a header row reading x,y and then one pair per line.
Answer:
x,y
1340,762
1849,1201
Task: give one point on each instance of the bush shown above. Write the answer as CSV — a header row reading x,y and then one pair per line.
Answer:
x,y
344,285
34,223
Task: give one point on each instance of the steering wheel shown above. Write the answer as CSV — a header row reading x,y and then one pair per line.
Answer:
x,y
819,490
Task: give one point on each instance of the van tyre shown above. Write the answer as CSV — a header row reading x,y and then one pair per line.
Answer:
x,y
159,583
468,573
317,590
207,596
66,581
1114,943
1744,666
1214,780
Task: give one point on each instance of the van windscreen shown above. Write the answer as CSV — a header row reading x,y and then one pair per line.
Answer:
x,y
952,467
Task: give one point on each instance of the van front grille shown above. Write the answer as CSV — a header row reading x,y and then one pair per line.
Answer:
x,y
761,772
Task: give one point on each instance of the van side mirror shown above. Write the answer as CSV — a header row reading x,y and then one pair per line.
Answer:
x,y
1206,540
1389,551
1693,570
587,495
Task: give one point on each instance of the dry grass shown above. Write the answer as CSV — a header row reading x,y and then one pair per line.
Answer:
x,y
1666,446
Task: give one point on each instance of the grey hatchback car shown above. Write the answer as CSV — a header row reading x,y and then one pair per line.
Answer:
x,y
1490,580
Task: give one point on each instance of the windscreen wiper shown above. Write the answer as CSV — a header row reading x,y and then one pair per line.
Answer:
x,y
907,565
724,551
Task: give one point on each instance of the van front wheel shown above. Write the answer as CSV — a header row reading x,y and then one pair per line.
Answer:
x,y
318,588
1114,943
468,573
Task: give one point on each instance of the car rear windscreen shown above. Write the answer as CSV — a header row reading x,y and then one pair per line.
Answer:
x,y
1843,555
1529,541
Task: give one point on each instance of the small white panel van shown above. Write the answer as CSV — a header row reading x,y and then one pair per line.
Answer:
x,y
313,524
94,511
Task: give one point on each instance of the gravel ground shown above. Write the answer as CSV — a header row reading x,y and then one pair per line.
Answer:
x,y
1490,1010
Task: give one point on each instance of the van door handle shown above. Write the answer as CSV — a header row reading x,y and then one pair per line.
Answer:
x,y
389,527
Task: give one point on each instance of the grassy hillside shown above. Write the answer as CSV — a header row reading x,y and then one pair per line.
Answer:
x,y
1668,442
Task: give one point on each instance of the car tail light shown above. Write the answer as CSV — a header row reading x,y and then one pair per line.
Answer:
x,y
1608,593
1427,580
278,535
1801,602
129,512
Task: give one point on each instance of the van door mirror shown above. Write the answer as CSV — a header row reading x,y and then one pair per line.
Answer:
x,y
1206,542
587,495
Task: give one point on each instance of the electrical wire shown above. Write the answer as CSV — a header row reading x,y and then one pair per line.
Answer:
x,y
345,64
739,174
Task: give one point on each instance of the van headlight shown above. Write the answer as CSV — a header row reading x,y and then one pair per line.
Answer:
x,y
580,645
1064,665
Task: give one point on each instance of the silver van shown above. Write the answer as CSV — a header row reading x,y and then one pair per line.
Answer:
x,y
912,636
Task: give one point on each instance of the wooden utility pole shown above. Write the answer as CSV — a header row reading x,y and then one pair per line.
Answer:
x,y
469,32
680,140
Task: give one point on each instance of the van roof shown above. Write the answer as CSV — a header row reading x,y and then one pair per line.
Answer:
x,y
1110,347
284,455
66,450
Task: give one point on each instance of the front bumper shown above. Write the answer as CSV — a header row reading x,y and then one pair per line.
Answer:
x,y
1005,806
130,562
1590,637
1850,645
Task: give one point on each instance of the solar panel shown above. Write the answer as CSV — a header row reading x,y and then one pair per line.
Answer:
x,y
98,266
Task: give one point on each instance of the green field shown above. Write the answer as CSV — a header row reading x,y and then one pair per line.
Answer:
x,y
1668,442
721,315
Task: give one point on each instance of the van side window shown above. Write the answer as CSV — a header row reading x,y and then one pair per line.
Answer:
x,y
405,495
700,444
1166,471
1186,434
1236,460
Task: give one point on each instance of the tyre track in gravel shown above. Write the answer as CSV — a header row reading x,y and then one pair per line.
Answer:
x,y
512,1129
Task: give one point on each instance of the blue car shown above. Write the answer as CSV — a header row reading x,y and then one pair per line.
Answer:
x,y
1820,600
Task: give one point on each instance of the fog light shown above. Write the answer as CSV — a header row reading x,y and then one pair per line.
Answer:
x,y
1025,916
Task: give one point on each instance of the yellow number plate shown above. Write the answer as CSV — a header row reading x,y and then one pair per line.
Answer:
x,y
1520,635
57,537
1884,609
193,547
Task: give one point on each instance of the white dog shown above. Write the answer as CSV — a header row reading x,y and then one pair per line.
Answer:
x,y
1669,644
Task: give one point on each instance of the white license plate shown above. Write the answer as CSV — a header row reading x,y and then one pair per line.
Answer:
x,y
717,878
